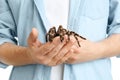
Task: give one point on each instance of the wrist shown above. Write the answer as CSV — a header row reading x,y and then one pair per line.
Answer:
x,y
101,50
29,56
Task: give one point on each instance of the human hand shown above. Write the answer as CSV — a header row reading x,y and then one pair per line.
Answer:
x,y
45,53
87,52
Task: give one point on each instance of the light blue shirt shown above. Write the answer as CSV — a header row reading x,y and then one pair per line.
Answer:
x,y
92,19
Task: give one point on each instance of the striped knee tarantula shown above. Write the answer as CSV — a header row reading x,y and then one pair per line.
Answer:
x,y
61,32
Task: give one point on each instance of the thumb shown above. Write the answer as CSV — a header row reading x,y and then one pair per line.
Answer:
x,y
33,38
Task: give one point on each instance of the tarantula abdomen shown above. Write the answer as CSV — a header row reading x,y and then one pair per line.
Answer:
x,y
62,32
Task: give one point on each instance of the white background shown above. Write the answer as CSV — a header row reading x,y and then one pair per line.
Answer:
x,y
4,73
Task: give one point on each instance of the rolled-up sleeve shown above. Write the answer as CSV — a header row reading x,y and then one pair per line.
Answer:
x,y
7,26
114,17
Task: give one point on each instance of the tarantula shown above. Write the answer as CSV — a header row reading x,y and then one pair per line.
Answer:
x,y
61,32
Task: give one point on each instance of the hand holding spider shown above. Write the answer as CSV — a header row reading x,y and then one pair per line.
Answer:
x,y
81,51
71,53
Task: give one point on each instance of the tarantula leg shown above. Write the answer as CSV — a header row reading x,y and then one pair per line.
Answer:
x,y
61,38
68,37
50,40
68,33
81,37
77,40
47,37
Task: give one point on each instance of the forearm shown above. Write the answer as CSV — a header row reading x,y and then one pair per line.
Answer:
x,y
14,55
110,46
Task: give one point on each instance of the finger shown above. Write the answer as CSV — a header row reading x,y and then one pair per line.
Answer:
x,y
45,48
68,55
63,51
56,49
33,38
51,64
72,59
49,46
76,48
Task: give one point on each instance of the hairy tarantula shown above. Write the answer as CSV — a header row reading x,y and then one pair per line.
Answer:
x,y
61,32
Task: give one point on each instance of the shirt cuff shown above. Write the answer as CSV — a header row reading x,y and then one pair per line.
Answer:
x,y
115,30
2,65
4,40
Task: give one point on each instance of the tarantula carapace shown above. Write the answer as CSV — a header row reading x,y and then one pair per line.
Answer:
x,y
61,32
